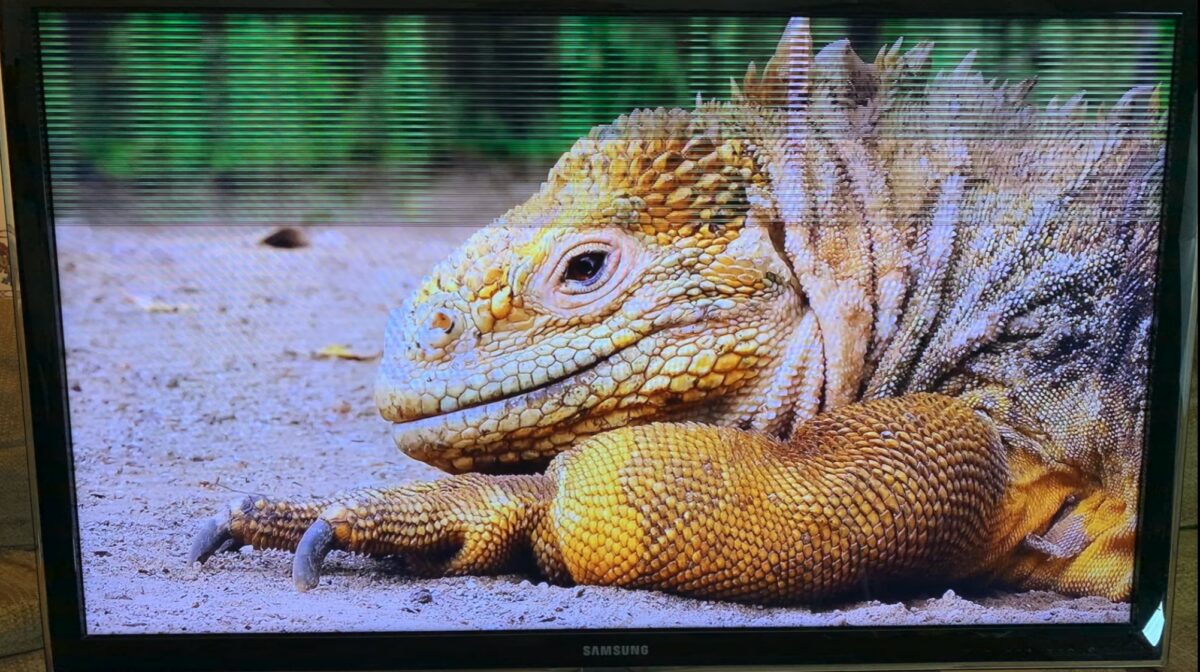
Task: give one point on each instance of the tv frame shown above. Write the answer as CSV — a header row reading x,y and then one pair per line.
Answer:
x,y
843,648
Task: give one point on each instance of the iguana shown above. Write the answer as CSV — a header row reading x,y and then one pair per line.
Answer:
x,y
860,325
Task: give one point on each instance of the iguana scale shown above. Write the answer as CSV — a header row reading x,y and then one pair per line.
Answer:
x,y
859,325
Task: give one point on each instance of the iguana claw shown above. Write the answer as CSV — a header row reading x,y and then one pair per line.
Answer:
x,y
213,537
314,546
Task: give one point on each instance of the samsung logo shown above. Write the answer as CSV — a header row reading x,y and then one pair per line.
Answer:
x,y
617,650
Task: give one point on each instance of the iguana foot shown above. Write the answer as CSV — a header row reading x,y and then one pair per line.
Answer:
x,y
1088,551
255,520
469,524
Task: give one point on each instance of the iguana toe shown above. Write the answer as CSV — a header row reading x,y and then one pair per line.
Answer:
x,y
316,543
212,538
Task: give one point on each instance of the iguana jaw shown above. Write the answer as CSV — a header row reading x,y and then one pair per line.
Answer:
x,y
671,374
452,440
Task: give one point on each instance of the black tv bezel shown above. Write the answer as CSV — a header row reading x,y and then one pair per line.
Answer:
x,y
835,648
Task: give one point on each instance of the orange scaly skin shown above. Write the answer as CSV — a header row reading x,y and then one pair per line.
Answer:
x,y
859,326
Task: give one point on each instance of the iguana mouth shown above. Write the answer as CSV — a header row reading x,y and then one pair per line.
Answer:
x,y
525,428
426,433
508,433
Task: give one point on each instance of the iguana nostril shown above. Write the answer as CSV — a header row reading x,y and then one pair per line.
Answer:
x,y
442,322
440,328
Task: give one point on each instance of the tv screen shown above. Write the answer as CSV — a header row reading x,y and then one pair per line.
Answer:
x,y
442,322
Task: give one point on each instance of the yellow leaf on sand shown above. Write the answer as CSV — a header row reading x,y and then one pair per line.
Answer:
x,y
339,351
156,306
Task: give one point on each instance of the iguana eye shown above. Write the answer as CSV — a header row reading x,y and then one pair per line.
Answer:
x,y
586,270
585,267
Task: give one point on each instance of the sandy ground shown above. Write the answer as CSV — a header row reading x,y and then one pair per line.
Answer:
x,y
192,376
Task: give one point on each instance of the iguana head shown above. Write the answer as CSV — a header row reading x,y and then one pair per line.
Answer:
x,y
642,282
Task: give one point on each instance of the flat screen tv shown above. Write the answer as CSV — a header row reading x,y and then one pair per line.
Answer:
x,y
415,335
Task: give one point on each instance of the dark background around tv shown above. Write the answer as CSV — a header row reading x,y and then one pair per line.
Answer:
x,y
20,635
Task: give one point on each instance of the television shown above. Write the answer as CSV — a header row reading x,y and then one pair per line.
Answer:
x,y
414,335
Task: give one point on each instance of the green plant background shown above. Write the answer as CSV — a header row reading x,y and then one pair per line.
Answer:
x,y
166,98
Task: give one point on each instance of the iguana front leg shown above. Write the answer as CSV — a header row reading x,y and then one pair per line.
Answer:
x,y
882,491
468,524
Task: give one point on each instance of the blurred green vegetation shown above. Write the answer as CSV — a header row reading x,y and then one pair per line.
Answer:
x,y
151,96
